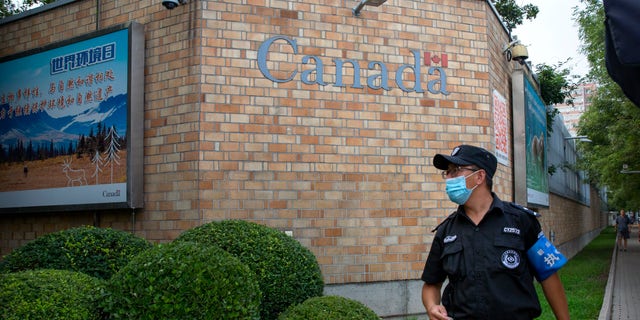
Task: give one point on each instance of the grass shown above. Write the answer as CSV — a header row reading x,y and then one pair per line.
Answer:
x,y
584,278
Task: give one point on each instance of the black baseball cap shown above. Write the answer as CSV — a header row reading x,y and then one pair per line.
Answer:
x,y
466,155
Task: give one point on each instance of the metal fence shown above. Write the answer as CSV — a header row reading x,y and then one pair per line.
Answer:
x,y
566,180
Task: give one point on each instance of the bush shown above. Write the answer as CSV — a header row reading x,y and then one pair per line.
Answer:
x,y
97,252
49,294
183,281
287,272
329,308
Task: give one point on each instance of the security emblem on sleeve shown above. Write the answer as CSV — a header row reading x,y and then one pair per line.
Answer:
x,y
511,259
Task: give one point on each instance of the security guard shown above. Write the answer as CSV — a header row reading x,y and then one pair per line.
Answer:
x,y
489,250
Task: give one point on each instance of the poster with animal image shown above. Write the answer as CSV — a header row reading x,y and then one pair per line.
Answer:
x,y
536,142
63,124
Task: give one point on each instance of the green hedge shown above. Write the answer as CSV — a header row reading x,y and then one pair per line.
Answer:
x,y
49,295
183,281
329,308
97,252
287,272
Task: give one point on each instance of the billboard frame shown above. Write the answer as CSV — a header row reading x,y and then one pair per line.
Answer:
x,y
529,182
135,128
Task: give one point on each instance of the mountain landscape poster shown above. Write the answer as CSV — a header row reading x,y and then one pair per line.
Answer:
x,y
64,124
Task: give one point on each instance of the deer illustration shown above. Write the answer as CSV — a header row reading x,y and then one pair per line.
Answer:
x,y
73,175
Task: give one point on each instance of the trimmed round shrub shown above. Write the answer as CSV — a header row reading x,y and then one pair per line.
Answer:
x,y
98,252
183,281
329,308
287,272
49,294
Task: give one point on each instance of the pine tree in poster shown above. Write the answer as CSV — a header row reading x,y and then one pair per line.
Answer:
x,y
113,147
98,162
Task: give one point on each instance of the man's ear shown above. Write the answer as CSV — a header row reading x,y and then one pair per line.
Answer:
x,y
482,176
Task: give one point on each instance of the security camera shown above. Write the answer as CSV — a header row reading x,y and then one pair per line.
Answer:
x,y
519,53
171,4
516,51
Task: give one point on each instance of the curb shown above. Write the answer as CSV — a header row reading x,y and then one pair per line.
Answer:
x,y
605,312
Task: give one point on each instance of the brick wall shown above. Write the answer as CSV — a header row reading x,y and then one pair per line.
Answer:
x,y
569,220
500,80
347,170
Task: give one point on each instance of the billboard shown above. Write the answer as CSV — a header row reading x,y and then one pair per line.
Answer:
x,y
71,119
531,179
536,146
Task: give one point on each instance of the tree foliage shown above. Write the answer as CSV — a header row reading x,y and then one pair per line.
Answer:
x,y
11,7
556,86
611,121
513,14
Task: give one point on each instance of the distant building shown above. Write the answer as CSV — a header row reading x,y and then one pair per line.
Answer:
x,y
581,102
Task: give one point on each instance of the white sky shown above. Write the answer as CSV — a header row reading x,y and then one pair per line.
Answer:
x,y
552,36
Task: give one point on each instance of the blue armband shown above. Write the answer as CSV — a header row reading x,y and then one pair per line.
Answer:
x,y
545,258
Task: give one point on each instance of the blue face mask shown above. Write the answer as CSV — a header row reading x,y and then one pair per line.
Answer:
x,y
457,189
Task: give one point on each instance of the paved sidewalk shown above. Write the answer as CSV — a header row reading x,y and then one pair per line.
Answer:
x,y
622,294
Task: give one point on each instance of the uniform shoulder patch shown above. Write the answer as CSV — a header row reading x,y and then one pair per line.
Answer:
x,y
524,209
445,221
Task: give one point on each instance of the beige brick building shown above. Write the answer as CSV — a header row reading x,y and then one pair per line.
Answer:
x,y
581,99
329,134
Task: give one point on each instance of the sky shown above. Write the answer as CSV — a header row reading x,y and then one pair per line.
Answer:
x,y
552,36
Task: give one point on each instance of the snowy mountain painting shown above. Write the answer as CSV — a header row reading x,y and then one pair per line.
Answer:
x,y
41,128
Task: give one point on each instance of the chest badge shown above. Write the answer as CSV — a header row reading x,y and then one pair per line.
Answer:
x,y
511,259
449,239
511,230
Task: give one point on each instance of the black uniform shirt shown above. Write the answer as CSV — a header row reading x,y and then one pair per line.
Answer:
x,y
487,266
